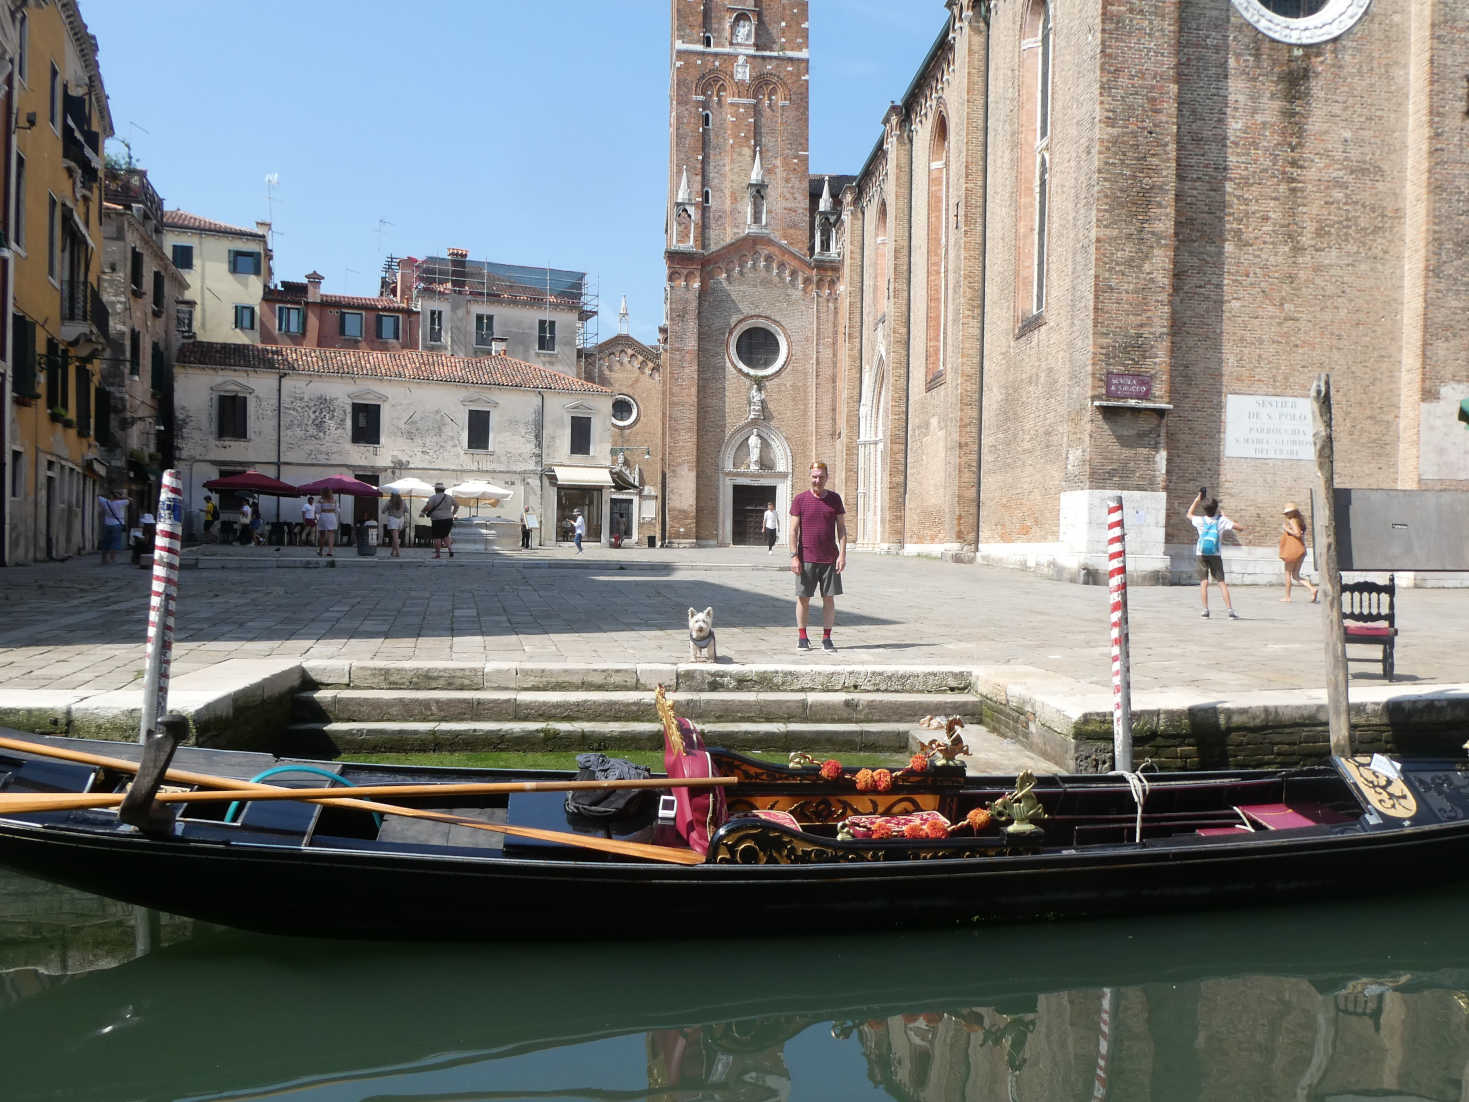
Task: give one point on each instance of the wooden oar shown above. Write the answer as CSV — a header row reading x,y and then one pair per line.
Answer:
x,y
253,790
21,803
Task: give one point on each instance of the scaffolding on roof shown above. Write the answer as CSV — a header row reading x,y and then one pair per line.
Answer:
x,y
558,288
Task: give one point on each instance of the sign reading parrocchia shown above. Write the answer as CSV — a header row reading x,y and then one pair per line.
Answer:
x,y
1260,426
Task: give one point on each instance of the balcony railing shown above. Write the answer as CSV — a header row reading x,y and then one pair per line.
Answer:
x,y
81,302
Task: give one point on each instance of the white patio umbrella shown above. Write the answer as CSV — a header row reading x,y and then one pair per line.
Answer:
x,y
476,490
408,487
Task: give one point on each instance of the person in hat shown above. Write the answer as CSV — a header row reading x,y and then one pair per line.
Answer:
x,y
440,510
579,529
1293,549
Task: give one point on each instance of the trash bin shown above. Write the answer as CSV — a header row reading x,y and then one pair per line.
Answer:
x,y
366,545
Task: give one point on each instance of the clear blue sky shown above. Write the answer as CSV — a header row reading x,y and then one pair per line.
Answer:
x,y
526,131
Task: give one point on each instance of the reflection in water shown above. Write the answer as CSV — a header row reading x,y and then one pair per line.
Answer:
x,y
1314,1004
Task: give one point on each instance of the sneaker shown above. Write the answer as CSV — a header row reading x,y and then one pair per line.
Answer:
x,y
1233,615
1205,614
802,643
828,645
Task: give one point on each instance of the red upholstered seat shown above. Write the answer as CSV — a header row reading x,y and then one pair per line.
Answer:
x,y
699,812
1275,816
1206,831
1370,632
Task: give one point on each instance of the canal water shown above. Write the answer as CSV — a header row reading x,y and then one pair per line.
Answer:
x,y
1314,1003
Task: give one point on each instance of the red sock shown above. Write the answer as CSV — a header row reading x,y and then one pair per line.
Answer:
x,y
826,633
801,633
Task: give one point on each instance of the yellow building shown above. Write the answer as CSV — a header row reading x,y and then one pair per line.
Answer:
x,y
59,322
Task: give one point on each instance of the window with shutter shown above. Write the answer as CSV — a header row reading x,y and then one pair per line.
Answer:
x,y
232,422
581,436
546,336
349,325
479,430
366,423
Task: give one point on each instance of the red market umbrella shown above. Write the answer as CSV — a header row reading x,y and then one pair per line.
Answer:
x,y
339,484
253,482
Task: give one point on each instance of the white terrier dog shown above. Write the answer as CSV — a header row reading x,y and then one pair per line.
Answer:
x,y
701,636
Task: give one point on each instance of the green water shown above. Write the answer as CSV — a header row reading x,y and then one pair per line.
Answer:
x,y
1333,1002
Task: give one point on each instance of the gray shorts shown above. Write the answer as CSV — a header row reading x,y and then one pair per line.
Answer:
x,y
818,575
1210,566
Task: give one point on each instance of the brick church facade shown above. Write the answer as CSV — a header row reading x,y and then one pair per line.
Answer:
x,y
1100,246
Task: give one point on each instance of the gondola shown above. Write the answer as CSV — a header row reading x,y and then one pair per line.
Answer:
x,y
729,844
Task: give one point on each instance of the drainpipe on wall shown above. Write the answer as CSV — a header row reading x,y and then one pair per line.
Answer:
x,y
541,466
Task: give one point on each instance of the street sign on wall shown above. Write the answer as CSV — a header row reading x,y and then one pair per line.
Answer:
x,y
1263,426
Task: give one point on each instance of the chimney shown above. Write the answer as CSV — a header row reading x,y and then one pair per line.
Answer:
x,y
313,286
498,345
407,277
457,257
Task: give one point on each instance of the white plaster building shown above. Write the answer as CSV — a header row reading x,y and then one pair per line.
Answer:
x,y
299,414
228,270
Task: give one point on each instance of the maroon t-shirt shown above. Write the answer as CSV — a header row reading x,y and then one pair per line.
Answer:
x,y
818,524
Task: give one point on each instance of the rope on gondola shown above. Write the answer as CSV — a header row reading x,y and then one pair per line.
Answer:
x,y
1140,788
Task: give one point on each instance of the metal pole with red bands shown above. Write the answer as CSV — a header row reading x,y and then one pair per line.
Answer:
x,y
1121,672
167,536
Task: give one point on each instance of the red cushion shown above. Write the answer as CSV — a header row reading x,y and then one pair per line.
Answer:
x,y
1353,630
700,812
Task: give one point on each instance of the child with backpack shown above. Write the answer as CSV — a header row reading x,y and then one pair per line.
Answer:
x,y
1211,528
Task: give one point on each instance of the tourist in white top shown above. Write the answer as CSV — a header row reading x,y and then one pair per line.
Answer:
x,y
308,520
772,528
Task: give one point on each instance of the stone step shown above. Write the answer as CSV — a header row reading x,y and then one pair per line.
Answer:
x,y
351,705
630,676
348,738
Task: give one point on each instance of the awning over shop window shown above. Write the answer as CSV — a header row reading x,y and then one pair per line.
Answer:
x,y
1464,411
582,476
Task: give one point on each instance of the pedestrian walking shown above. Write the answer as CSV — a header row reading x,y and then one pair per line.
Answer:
x,y
211,515
328,520
114,510
308,520
579,530
393,517
257,526
440,510
527,527
247,516
1208,550
771,523
1293,549
818,540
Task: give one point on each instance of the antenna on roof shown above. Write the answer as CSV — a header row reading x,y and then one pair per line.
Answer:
x,y
272,181
381,224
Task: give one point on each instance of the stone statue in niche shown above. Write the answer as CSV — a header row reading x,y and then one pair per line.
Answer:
x,y
757,402
754,443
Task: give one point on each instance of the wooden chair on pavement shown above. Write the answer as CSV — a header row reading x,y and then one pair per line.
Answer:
x,y
1369,612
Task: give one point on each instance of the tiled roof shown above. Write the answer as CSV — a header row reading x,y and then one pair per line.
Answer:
x,y
435,367
183,220
289,291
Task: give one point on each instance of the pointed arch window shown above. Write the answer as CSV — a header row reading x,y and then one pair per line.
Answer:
x,y
1034,161
937,251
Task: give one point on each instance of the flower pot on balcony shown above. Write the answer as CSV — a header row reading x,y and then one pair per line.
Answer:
x,y
58,415
68,422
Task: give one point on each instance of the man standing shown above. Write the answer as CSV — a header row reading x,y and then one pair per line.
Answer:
x,y
579,530
771,523
114,507
818,554
440,510
211,514
1211,528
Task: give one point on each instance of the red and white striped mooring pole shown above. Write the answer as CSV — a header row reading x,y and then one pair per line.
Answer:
x,y
166,540
1121,673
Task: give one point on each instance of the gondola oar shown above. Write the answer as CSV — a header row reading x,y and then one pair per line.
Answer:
x,y
18,803
254,790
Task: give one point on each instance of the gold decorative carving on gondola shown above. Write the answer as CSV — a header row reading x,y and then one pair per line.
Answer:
x,y
1386,793
759,844
834,807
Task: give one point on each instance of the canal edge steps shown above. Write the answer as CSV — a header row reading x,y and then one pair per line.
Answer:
x,y
249,703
